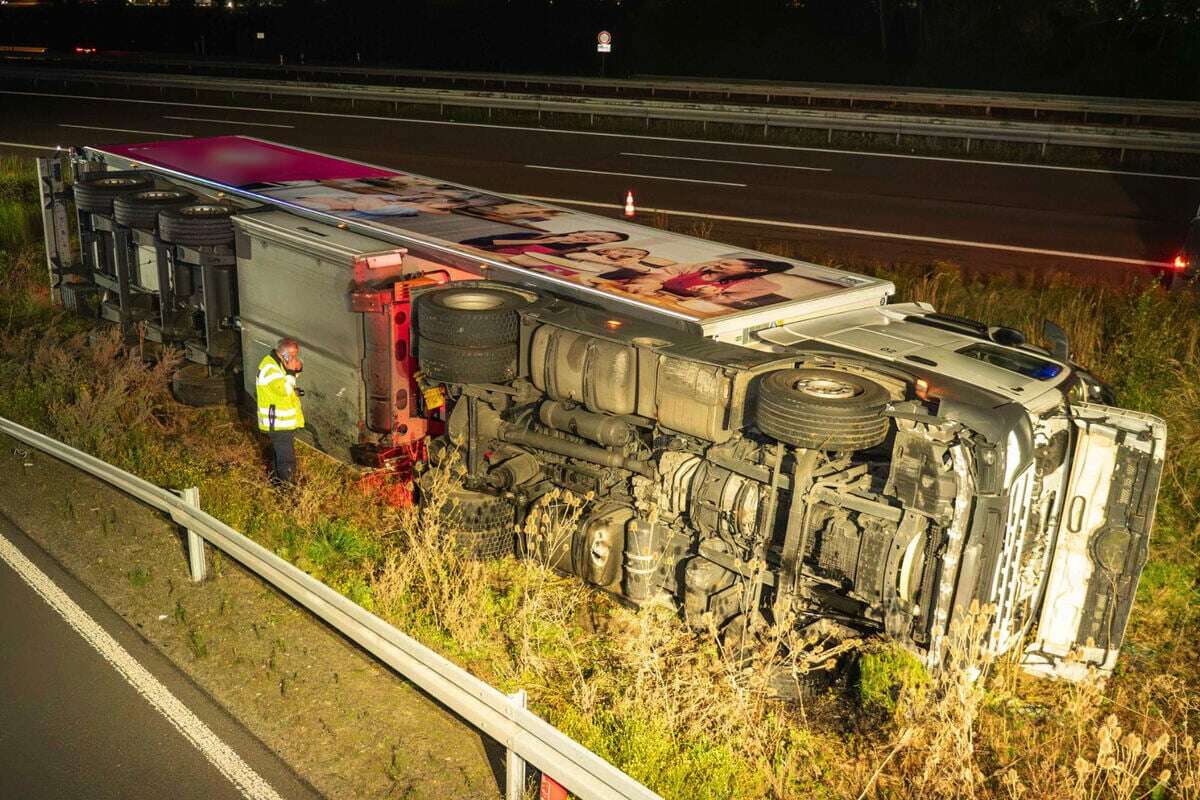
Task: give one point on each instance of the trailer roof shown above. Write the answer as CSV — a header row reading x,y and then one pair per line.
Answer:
x,y
717,287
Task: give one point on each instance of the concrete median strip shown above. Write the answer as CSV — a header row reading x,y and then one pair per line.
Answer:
x,y
219,754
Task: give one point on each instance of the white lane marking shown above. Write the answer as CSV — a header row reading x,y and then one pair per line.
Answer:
x,y
219,754
643,137
635,175
28,146
125,130
725,161
907,237
231,122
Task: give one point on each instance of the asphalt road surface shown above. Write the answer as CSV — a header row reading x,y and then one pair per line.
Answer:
x,y
82,716
851,205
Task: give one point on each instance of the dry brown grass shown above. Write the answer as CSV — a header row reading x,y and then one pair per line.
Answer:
x,y
426,570
672,706
668,704
101,386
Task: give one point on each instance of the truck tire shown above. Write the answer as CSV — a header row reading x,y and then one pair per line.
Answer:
x,y
197,225
140,209
469,316
822,409
95,192
448,363
192,385
482,524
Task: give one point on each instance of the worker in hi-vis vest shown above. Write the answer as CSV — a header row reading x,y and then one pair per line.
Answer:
x,y
279,413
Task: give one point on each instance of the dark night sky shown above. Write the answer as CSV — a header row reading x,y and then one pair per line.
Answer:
x,y
1131,47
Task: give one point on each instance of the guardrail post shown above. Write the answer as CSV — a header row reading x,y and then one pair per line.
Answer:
x,y
514,765
197,564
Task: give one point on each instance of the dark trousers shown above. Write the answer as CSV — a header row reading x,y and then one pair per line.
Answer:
x,y
284,456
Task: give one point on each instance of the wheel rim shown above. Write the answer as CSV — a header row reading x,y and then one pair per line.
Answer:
x,y
204,211
473,301
117,183
162,195
827,388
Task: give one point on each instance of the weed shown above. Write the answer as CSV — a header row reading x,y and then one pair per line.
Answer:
x,y
139,576
278,647
395,767
197,643
886,671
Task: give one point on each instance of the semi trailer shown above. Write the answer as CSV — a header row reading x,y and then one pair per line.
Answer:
x,y
757,440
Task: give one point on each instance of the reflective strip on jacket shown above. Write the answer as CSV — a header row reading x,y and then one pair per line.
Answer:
x,y
278,403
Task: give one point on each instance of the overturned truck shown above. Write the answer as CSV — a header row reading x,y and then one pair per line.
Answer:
x,y
759,440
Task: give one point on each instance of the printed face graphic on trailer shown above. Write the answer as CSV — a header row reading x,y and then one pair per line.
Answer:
x,y
693,278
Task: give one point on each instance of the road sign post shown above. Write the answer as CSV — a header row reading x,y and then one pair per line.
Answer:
x,y
603,47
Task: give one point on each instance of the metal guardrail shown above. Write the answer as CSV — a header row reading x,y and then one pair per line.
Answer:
x,y
1112,138
982,101
527,737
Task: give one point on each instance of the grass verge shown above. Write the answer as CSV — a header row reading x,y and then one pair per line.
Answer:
x,y
638,688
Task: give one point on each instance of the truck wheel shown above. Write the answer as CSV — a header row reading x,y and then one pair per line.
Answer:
x,y
822,409
192,385
482,524
96,191
140,209
448,363
469,316
197,225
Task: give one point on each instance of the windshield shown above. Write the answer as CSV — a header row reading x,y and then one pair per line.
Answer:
x,y
1014,361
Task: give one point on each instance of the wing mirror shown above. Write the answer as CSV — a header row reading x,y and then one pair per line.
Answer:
x,y
1060,346
1009,337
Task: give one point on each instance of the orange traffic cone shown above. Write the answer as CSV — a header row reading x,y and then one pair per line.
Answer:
x,y
629,209
551,790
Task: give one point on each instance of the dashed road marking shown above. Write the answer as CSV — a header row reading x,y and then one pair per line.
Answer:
x,y
231,122
727,161
125,130
636,175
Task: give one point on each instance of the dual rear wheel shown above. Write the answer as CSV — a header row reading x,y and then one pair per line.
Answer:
x,y
469,334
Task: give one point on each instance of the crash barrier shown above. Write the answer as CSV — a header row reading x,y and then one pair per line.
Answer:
x,y
527,737
391,98
970,101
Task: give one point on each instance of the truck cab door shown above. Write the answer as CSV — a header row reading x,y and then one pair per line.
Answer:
x,y
1102,542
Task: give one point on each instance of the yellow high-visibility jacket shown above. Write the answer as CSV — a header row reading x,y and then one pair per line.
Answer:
x,y
278,403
